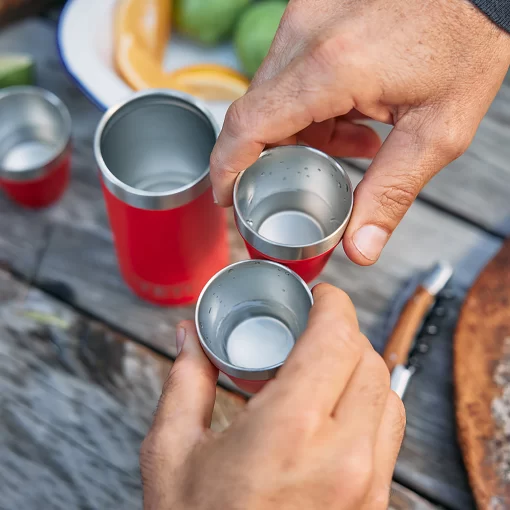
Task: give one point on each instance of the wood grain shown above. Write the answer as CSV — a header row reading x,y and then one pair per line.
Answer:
x,y
400,341
76,400
482,351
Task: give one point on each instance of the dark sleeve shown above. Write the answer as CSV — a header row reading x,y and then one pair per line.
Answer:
x,y
497,10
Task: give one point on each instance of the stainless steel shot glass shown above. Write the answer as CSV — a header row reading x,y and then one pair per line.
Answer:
x,y
249,317
35,145
292,206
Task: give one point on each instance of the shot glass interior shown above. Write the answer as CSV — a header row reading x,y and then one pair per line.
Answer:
x,y
251,314
158,143
294,196
33,130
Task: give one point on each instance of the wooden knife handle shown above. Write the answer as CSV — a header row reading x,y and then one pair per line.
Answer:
x,y
405,331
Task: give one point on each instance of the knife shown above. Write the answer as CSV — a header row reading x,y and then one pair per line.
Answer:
x,y
409,322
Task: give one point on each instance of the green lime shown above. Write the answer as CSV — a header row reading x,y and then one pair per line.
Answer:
x,y
210,21
16,70
255,32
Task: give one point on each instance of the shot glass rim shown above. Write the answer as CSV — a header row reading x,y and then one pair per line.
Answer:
x,y
247,374
302,251
36,171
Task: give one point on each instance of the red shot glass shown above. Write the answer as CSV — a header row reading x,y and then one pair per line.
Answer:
x,y
292,206
153,154
35,146
248,318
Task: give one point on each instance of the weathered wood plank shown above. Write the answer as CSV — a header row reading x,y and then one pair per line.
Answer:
x,y
477,185
76,400
79,266
23,232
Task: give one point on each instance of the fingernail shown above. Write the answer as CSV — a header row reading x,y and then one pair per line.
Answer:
x,y
370,241
214,197
179,339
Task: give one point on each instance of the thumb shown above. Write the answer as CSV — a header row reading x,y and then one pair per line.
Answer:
x,y
187,402
408,159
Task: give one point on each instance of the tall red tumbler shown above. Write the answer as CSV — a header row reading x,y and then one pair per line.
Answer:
x,y
153,154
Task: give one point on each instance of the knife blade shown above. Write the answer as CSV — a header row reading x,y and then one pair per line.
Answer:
x,y
411,318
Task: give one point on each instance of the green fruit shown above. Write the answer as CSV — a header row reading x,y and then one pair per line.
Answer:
x,y
255,33
208,21
16,70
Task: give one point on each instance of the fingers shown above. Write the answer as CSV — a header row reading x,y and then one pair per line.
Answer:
x,y
363,402
189,393
415,150
327,354
389,440
273,111
341,138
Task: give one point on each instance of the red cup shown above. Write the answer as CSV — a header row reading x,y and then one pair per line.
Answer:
x,y
35,146
292,207
153,154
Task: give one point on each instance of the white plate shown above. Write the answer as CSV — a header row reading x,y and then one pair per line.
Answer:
x,y
85,42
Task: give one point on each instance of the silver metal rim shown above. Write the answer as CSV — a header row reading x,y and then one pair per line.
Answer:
x,y
153,200
289,252
60,152
247,374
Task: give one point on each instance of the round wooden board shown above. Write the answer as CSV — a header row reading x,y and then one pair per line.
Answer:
x,y
481,372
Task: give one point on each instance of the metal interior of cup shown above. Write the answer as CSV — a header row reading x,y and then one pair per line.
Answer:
x,y
154,149
35,129
250,315
293,203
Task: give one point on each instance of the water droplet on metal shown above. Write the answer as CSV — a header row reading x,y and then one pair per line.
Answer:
x,y
270,173
347,187
299,172
283,290
263,173
230,271
284,179
281,162
250,222
201,325
306,168
279,269
288,274
210,309
319,169
339,185
307,175
333,220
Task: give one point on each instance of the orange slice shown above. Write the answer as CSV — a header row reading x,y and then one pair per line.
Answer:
x,y
142,28
146,20
210,82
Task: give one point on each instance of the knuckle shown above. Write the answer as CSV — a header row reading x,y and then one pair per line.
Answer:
x,y
378,370
357,470
452,142
399,415
397,196
326,53
236,121
301,425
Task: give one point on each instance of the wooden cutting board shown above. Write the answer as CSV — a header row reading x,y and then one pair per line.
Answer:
x,y
482,383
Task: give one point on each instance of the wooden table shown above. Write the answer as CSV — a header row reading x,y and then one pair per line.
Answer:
x,y
82,360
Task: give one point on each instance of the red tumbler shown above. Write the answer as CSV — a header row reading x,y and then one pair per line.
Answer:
x,y
292,206
35,145
153,154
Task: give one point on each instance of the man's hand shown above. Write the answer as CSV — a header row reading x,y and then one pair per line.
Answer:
x,y
324,434
431,68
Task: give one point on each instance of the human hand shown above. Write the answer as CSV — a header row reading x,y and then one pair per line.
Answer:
x,y
324,434
430,68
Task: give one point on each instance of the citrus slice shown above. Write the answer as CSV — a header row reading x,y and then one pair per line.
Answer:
x,y
211,82
16,70
146,20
